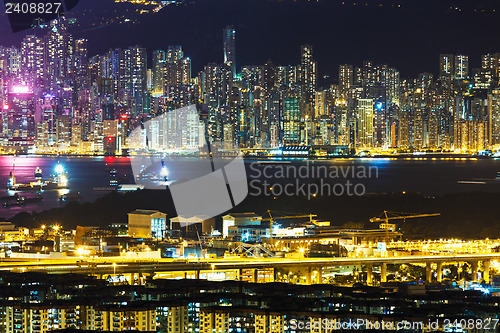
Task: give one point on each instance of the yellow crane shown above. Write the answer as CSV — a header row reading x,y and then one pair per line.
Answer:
x,y
384,220
271,220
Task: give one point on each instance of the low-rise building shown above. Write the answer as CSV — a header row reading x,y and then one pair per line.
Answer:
x,y
198,223
250,233
239,219
144,223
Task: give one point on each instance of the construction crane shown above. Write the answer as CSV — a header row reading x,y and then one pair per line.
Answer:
x,y
384,220
271,220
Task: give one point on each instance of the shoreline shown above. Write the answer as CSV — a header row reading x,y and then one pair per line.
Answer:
x,y
281,158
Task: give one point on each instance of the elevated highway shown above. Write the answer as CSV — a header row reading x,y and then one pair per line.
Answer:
x,y
193,267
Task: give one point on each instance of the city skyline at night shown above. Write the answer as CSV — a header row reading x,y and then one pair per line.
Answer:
x,y
85,104
249,166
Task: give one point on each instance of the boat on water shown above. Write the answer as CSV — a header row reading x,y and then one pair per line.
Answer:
x,y
58,181
154,177
20,202
70,196
38,173
23,200
12,185
113,180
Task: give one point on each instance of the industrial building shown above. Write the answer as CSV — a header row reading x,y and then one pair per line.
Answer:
x,y
147,224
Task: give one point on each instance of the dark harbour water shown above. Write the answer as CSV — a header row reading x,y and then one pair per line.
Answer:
x,y
429,176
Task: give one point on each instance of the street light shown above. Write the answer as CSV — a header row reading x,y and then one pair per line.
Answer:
x,y
114,268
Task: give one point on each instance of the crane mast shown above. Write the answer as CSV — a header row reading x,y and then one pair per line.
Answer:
x,y
384,221
271,220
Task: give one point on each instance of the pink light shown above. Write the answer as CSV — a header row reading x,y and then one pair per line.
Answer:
x,y
6,106
21,90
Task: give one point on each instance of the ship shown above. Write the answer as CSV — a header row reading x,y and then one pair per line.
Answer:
x,y
22,200
38,174
13,186
58,181
53,184
158,178
70,197
113,181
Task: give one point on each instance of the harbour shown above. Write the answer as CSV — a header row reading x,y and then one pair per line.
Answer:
x,y
90,176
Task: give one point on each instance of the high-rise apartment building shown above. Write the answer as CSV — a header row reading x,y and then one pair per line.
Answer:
x,y
446,65
346,78
32,59
309,70
80,64
20,110
158,71
138,69
59,49
461,67
494,118
229,40
365,123
291,119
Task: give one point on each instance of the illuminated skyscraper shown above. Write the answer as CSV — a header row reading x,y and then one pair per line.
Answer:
x,y
63,131
405,129
432,128
185,70
174,53
461,66
494,118
380,126
320,103
346,78
32,56
291,119
369,74
80,64
58,52
48,118
365,123
419,112
490,63
21,116
273,106
110,136
446,65
309,70
10,60
158,71
138,78
229,39
389,79
446,74
177,68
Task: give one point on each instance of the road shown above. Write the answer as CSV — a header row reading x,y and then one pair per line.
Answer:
x,y
115,265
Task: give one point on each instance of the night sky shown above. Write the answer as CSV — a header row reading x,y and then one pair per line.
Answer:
x,y
409,37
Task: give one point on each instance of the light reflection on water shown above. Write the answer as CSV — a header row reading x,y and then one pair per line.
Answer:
x,y
433,176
